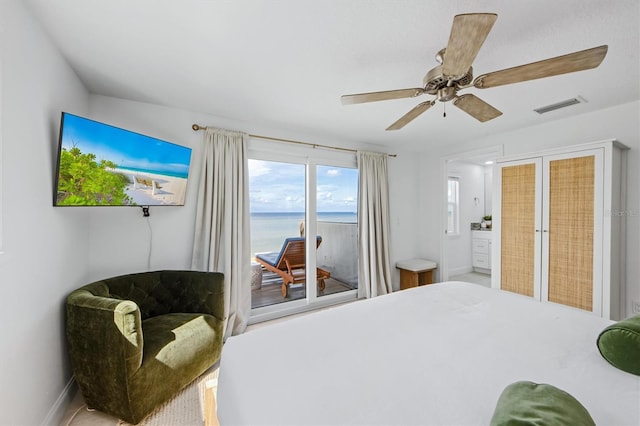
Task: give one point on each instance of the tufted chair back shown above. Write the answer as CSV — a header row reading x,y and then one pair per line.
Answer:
x,y
162,292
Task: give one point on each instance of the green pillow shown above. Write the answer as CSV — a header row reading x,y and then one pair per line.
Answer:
x,y
620,345
528,403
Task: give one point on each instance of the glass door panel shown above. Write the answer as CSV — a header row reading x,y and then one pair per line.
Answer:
x,y
277,205
337,225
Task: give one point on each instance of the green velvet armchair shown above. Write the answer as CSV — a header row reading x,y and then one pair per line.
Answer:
x,y
136,340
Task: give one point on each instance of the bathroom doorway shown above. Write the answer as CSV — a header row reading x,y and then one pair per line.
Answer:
x,y
467,194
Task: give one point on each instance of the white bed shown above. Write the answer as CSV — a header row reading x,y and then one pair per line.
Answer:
x,y
433,355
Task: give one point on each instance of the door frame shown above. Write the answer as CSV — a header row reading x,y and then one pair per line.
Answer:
x,y
310,158
494,151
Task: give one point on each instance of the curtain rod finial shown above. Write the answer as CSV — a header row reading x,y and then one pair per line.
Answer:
x,y
196,127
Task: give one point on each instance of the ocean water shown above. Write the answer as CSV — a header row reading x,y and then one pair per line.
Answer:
x,y
183,175
269,230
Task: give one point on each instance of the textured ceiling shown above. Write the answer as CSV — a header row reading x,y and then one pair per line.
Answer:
x,y
285,64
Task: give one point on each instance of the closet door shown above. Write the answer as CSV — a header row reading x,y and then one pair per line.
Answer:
x,y
572,227
519,225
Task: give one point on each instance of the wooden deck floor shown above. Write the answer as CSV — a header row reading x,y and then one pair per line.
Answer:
x,y
270,293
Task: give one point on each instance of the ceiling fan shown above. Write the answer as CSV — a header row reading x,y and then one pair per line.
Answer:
x,y
455,73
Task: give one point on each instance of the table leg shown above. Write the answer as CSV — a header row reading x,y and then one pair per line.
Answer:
x,y
210,411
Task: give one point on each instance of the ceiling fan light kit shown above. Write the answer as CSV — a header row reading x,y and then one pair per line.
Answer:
x,y
455,72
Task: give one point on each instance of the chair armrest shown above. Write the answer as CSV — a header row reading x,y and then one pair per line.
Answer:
x,y
104,335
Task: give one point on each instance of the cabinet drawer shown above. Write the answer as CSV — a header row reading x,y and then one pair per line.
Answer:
x,y
480,246
481,261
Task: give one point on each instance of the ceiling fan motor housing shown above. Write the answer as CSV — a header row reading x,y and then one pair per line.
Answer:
x,y
446,94
436,83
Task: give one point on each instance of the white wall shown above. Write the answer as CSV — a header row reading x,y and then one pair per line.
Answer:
x,y
620,122
432,212
471,181
406,213
45,248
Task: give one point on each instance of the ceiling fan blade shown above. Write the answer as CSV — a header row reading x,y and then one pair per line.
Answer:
x,y
381,96
468,34
408,117
476,107
572,62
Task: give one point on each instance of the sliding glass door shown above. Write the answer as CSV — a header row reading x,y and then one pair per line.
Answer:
x,y
291,202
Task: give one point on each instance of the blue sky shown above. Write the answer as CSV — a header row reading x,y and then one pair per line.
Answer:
x,y
125,148
280,187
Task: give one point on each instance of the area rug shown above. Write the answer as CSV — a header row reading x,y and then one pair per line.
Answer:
x,y
186,408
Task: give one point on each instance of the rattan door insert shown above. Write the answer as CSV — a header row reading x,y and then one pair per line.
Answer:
x,y
518,218
570,230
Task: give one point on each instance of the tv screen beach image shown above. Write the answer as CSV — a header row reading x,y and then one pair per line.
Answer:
x,y
103,165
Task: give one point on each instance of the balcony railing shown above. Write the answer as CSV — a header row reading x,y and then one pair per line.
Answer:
x,y
337,254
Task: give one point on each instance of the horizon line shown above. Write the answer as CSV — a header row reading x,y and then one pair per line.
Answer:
x,y
302,212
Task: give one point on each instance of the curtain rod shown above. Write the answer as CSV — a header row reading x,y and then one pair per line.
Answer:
x,y
197,127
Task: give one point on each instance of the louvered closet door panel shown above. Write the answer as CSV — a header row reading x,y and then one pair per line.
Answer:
x,y
571,231
518,225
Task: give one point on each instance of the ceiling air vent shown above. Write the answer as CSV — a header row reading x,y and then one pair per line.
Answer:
x,y
558,105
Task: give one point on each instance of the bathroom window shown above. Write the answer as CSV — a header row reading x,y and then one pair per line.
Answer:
x,y
453,206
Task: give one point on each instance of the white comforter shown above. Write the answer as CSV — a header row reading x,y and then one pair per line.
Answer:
x,y
434,355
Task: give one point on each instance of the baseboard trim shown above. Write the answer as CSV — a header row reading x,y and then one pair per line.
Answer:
x,y
57,411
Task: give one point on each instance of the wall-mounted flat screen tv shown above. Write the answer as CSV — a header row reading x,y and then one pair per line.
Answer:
x,y
102,165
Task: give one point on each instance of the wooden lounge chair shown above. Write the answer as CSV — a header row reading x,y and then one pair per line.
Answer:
x,y
289,263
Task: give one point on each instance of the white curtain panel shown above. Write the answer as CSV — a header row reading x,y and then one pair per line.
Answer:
x,y
222,242
373,225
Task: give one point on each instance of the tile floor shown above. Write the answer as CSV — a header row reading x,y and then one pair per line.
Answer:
x,y
473,277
